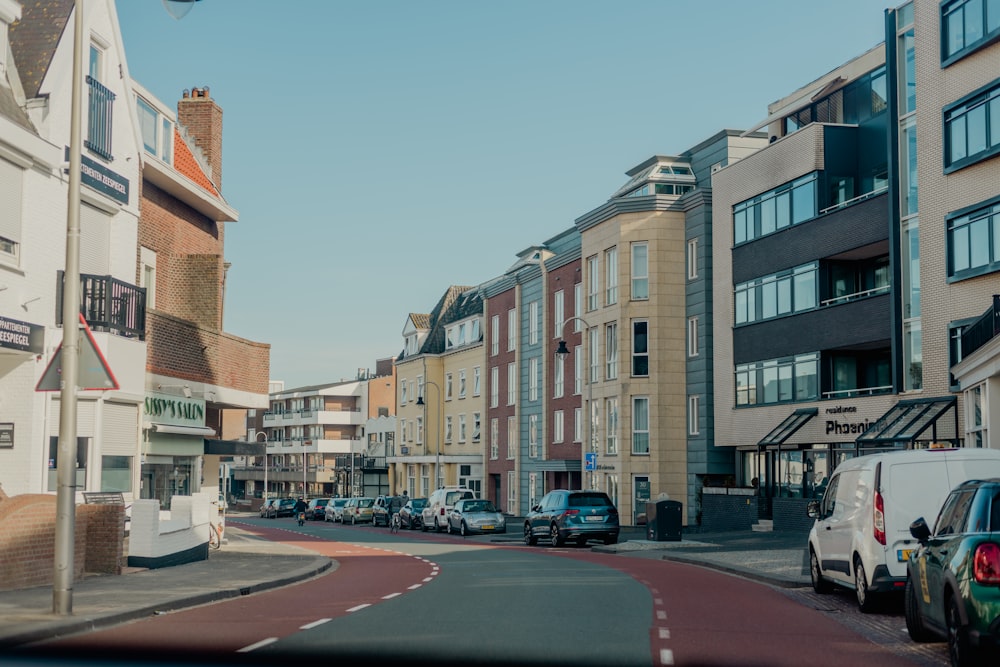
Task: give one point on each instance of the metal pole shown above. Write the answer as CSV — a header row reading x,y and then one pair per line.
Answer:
x,y
62,580
586,442
256,437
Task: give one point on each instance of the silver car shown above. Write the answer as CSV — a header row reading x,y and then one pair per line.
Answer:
x,y
475,516
334,509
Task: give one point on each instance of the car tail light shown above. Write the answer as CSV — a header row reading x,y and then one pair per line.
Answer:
x,y
879,519
612,510
986,564
442,511
567,512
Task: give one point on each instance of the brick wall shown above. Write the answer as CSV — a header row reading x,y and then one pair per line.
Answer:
x,y
721,513
202,118
27,540
789,514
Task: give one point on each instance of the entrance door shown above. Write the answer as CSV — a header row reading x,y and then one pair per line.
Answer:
x,y
641,496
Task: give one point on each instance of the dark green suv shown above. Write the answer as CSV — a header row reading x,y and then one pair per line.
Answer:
x,y
953,578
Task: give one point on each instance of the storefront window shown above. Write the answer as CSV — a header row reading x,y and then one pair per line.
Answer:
x,y
80,479
116,473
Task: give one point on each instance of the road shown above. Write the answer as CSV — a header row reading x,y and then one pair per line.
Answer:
x,y
439,599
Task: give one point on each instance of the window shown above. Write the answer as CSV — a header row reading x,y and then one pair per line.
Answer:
x,y
402,393
461,427
533,436
974,242
966,25
611,430
611,276
494,335
578,370
447,428
533,323
559,376
640,348
976,410
784,293
593,282
692,259
420,386
611,351
640,425
511,438
476,381
577,306
494,439
533,379
420,430
972,129
577,424
157,131
116,473
402,430
778,380
11,186
511,384
693,416
494,386
447,386
776,209
511,330
594,351
461,383
512,492
147,277
558,312
477,424
692,336
640,271
557,426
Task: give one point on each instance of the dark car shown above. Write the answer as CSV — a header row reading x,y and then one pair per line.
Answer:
x,y
281,507
953,577
316,510
572,515
410,513
384,508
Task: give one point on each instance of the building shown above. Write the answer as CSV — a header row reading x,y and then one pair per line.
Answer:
x,y
36,39
200,379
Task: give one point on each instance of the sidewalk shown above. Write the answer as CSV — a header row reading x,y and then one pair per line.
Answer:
x,y
247,564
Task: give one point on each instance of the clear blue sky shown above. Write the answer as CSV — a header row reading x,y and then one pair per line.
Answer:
x,y
380,151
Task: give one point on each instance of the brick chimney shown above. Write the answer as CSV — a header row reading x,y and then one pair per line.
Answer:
x,y
202,118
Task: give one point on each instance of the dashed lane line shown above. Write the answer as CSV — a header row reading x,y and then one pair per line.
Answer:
x,y
310,626
257,645
359,607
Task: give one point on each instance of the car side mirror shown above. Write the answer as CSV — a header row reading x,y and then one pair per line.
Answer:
x,y
536,508
812,509
920,530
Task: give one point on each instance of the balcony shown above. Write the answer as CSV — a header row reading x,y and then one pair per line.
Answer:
x,y
108,304
99,119
312,416
982,330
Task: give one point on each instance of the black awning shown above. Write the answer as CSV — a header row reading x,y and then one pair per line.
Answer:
x,y
906,421
786,428
234,448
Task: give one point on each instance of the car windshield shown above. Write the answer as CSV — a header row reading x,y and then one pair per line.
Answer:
x,y
419,503
366,502
478,506
588,500
453,497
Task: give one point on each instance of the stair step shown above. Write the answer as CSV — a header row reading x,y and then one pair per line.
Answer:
x,y
763,526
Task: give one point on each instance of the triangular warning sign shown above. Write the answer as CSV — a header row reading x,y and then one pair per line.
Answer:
x,y
93,370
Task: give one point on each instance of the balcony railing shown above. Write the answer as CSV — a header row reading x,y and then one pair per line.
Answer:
x,y
982,330
857,295
861,391
108,304
99,119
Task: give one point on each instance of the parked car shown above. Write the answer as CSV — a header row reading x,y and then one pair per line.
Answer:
x,y
316,510
334,509
358,510
265,508
384,508
435,514
953,577
860,538
563,515
410,513
281,507
476,516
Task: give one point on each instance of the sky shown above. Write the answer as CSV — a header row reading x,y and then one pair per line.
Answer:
x,y
380,151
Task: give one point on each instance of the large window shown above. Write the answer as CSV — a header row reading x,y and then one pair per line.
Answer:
x,y
494,386
495,335
640,271
692,259
967,25
972,128
511,438
593,282
533,378
559,376
511,384
693,414
640,348
778,380
558,426
772,211
533,436
611,351
494,439
594,336
692,336
558,312
611,276
640,425
511,330
974,242
611,421
784,293
157,131
534,323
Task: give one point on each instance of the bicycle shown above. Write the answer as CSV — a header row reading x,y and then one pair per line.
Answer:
x,y
215,535
395,523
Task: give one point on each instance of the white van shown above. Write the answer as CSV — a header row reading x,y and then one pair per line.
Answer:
x,y
435,513
860,537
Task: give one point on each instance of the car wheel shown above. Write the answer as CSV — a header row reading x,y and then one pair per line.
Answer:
x,y
914,621
529,537
959,648
557,539
820,585
866,598
463,530
354,520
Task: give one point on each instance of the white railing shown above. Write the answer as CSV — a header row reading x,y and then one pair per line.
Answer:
x,y
851,393
853,297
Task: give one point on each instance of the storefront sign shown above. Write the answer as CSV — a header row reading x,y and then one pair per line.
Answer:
x,y
843,420
95,175
169,409
23,336
6,435
606,467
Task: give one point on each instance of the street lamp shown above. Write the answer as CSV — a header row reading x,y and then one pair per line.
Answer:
x,y
263,433
437,461
588,443
179,8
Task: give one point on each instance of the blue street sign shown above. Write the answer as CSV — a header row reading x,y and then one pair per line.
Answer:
x,y
590,462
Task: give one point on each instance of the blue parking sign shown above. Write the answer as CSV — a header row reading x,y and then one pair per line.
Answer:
x,y
590,462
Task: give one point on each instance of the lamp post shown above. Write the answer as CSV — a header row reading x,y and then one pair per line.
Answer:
x,y
437,449
588,443
256,437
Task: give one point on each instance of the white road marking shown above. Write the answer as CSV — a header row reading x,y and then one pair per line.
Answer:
x,y
657,600
359,607
310,626
664,633
414,587
661,615
391,596
257,645
426,579
666,656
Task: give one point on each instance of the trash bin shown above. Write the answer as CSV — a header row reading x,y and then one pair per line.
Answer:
x,y
663,520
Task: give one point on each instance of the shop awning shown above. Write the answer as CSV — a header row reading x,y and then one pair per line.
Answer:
x,y
906,421
202,431
786,428
234,448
